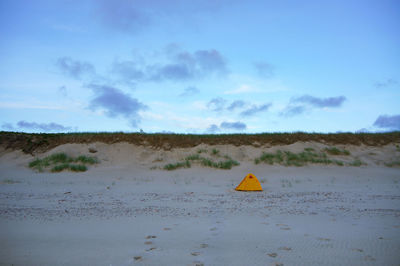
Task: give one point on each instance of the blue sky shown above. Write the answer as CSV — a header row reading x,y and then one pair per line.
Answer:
x,y
199,66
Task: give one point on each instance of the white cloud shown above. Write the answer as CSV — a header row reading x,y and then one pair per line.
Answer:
x,y
243,89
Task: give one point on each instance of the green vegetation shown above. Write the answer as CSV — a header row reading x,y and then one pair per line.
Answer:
x,y
60,162
228,163
215,152
393,164
356,162
185,164
288,158
336,151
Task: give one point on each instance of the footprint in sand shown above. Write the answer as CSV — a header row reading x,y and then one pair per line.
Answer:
x,y
278,264
273,255
149,237
323,239
198,263
213,229
195,253
150,249
285,248
357,249
148,243
166,229
285,228
203,245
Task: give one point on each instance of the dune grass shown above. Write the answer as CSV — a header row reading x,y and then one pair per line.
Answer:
x,y
336,151
393,164
60,161
174,166
288,158
226,164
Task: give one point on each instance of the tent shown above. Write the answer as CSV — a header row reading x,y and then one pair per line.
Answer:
x,y
249,183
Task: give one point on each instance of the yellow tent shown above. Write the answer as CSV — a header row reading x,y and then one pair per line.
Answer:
x,y
249,183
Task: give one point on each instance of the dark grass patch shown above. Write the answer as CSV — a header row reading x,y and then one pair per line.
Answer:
x,y
336,151
356,162
289,158
393,164
60,161
174,166
227,164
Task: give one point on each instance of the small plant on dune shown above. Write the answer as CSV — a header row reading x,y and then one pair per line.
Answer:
x,y
61,161
78,168
289,158
86,159
228,163
393,164
60,167
336,151
215,152
356,162
185,164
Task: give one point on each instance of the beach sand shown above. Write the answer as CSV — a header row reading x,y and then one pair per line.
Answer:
x,y
127,210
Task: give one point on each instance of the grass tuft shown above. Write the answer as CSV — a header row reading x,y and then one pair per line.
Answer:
x,y
185,164
289,158
228,163
393,164
336,151
215,152
356,162
60,162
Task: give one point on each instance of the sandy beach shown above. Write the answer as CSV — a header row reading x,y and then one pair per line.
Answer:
x,y
128,210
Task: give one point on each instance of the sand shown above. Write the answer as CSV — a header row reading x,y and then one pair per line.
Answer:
x,y
120,212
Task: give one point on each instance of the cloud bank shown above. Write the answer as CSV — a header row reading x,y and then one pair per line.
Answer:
x,y
388,122
320,102
49,127
179,66
236,126
254,109
300,105
116,103
74,68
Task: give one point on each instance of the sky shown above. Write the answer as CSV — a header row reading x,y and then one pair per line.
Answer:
x,y
199,66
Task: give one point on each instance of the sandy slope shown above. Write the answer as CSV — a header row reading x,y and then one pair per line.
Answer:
x,y
122,213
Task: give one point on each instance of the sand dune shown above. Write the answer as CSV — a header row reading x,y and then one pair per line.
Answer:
x,y
128,210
